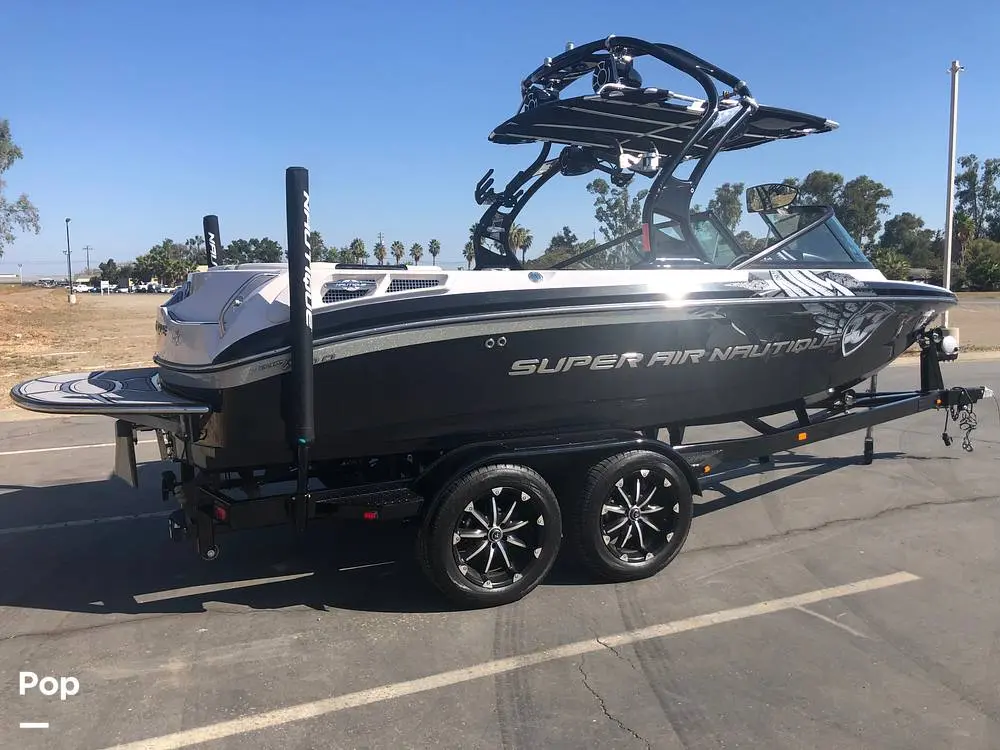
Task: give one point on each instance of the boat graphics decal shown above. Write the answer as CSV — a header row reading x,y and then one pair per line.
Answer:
x,y
636,360
799,283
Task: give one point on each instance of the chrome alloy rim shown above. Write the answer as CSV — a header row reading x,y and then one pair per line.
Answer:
x,y
639,517
498,536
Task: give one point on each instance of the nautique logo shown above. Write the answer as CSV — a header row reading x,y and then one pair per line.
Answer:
x,y
211,249
307,273
862,326
636,360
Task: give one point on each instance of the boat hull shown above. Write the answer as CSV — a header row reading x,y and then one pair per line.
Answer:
x,y
673,366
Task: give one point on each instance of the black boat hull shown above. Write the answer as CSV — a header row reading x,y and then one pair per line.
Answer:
x,y
699,365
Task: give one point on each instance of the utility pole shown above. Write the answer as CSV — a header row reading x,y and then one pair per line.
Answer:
x,y
69,267
949,215
88,248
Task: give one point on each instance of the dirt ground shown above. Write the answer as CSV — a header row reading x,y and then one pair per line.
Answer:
x,y
41,333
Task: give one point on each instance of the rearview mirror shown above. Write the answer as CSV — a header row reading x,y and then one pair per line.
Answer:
x,y
762,198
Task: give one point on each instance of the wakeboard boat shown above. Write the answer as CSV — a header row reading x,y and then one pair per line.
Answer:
x,y
381,382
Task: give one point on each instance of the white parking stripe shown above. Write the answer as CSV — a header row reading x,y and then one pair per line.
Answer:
x,y
211,588
313,709
65,448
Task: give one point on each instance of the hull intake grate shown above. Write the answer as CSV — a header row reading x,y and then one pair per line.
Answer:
x,y
405,285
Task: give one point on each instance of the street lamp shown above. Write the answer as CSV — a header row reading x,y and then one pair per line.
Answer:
x,y
949,216
69,267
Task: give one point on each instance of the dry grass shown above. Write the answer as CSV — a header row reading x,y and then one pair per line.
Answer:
x,y
40,333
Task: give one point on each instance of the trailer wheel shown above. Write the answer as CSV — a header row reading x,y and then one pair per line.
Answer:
x,y
632,517
491,536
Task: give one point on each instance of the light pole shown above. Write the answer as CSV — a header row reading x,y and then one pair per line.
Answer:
x,y
69,267
949,216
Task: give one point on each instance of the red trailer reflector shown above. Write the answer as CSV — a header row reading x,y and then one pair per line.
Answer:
x,y
370,515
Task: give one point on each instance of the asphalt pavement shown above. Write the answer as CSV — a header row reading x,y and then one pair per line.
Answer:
x,y
819,603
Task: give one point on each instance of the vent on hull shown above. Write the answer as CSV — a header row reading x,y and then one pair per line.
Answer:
x,y
345,289
405,285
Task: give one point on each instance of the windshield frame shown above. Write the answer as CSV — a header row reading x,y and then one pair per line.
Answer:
x,y
855,257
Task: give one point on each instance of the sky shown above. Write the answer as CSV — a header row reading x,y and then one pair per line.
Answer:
x,y
136,119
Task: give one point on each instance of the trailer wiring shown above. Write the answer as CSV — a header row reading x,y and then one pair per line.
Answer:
x,y
963,414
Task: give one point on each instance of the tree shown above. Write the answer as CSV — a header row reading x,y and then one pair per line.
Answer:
x,y
892,263
727,204
21,213
519,240
982,267
963,231
168,262
860,204
434,248
565,239
398,251
252,251
905,232
125,273
416,252
977,195
194,250
616,211
750,243
318,250
109,271
379,252
357,251
470,253
819,188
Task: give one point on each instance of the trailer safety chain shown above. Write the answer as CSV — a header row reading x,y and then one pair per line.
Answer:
x,y
964,415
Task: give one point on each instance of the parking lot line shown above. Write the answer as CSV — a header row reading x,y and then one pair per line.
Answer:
x,y
382,693
213,588
26,451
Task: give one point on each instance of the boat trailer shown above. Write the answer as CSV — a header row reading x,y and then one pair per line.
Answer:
x,y
585,467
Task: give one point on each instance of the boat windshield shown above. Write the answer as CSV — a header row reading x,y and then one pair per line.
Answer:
x,y
827,244
717,247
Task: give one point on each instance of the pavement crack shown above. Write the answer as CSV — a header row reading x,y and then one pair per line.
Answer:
x,y
616,652
837,522
604,708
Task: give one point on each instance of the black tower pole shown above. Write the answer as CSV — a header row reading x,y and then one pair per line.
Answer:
x,y
300,330
210,224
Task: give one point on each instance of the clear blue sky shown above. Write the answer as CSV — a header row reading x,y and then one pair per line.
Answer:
x,y
138,118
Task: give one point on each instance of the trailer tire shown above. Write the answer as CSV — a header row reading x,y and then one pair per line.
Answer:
x,y
656,530
520,540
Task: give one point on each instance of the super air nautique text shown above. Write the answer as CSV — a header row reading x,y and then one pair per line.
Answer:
x,y
635,360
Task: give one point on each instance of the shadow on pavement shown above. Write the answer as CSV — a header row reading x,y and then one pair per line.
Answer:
x,y
131,567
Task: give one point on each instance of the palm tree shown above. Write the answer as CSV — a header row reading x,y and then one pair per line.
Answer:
x,y
470,253
434,248
379,252
416,251
519,238
398,251
357,250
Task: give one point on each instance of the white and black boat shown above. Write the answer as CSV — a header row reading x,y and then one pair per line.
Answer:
x,y
381,387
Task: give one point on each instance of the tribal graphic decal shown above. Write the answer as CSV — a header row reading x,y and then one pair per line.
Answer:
x,y
803,284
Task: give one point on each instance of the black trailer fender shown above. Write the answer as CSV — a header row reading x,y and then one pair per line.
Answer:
x,y
549,456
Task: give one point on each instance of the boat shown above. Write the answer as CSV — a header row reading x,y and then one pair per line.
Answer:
x,y
368,379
